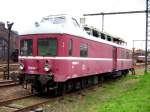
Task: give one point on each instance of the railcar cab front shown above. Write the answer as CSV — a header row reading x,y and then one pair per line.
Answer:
x,y
36,58
41,45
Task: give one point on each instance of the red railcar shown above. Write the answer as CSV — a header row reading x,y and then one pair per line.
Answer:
x,y
58,55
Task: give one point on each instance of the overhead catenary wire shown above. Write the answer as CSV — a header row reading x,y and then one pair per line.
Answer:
x,y
114,13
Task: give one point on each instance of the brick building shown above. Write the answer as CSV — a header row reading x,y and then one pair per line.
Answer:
x,y
4,43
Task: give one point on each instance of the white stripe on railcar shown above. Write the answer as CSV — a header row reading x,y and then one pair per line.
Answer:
x,y
64,58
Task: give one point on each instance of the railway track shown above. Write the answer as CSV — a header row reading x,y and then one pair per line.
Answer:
x,y
14,64
19,105
23,104
9,105
141,65
7,83
32,102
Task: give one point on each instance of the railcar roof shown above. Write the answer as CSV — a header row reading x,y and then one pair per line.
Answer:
x,y
64,24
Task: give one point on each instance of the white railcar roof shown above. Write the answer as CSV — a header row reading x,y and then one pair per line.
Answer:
x,y
63,24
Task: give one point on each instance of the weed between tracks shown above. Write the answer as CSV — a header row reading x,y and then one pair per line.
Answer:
x,y
130,94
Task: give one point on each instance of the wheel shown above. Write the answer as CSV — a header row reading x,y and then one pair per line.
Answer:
x,y
58,90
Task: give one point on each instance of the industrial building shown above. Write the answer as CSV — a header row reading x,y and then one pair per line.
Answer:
x,y
4,41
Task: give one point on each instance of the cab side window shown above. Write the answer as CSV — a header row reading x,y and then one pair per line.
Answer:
x,y
83,50
70,46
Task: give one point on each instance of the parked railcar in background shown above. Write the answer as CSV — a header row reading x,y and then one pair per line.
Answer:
x,y
59,55
139,56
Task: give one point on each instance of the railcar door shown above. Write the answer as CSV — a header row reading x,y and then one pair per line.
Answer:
x,y
114,58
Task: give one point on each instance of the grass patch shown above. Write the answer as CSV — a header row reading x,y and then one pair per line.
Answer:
x,y
130,94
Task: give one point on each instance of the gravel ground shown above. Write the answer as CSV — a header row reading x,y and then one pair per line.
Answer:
x,y
13,92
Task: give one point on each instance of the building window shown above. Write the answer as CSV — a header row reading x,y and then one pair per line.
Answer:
x,y
83,50
70,44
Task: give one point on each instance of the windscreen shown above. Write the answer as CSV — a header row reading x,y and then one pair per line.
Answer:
x,y
26,47
59,20
47,47
55,20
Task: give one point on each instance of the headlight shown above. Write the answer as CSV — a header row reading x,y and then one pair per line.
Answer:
x,y
21,66
46,68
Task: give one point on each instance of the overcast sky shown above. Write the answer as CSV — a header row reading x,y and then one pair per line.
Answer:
x,y
130,27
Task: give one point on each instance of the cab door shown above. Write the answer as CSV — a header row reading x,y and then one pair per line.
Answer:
x,y
114,58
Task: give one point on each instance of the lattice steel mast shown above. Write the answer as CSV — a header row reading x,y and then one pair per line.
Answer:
x,y
147,31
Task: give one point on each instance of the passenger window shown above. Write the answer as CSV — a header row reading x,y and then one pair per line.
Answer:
x,y
83,50
99,35
95,33
128,54
102,36
123,54
70,44
88,30
108,38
